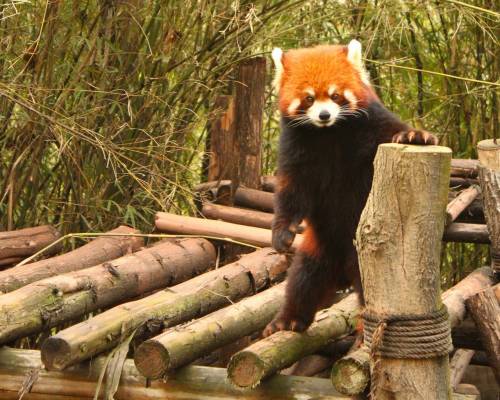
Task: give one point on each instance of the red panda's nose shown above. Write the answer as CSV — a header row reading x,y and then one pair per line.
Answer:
x,y
324,115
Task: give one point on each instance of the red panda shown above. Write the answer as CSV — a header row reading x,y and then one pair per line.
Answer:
x,y
331,124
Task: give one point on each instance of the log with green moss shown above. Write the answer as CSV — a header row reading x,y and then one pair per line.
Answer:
x,y
97,251
62,298
249,367
179,346
192,299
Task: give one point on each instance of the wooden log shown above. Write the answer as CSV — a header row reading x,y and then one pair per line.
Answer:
x,y
399,247
489,177
458,364
466,233
192,382
454,299
457,182
62,298
351,374
202,187
97,251
192,299
223,162
239,216
474,213
182,345
249,367
484,308
216,229
460,203
23,243
252,198
249,106
464,168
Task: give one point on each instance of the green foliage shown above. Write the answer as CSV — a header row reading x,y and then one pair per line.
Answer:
x,y
104,104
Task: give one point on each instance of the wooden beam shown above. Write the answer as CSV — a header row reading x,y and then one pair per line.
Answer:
x,y
95,252
399,241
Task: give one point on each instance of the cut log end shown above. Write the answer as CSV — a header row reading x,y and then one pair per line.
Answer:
x,y
152,359
351,374
245,370
55,352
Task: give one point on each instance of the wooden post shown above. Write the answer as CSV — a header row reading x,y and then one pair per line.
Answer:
x,y
222,161
489,177
398,242
484,308
249,97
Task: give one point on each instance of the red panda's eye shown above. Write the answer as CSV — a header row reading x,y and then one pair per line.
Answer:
x,y
310,99
335,96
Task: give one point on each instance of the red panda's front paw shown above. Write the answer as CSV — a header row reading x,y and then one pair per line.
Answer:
x,y
282,239
282,323
415,136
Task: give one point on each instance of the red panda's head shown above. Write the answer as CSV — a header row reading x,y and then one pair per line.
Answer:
x,y
322,84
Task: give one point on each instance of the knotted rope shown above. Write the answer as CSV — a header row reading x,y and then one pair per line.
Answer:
x,y
412,336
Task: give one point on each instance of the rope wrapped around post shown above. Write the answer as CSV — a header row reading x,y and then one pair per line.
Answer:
x,y
408,336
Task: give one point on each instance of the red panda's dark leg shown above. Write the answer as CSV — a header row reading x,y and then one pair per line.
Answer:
x,y
287,215
305,290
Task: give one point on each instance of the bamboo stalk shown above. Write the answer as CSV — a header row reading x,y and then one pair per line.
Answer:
x,y
181,345
26,242
249,367
95,252
58,299
180,303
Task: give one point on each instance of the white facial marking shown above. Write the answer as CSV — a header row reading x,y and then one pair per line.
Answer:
x,y
309,91
351,98
331,89
354,55
325,106
277,56
293,106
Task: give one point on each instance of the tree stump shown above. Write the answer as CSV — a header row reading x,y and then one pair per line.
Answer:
x,y
398,242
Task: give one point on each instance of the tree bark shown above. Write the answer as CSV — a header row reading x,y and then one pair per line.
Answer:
x,y
464,168
460,203
22,243
249,98
53,301
222,160
454,299
398,241
99,250
458,364
489,177
192,299
249,367
484,308
179,346
192,382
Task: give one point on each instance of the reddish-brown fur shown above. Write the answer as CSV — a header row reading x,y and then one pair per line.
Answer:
x,y
326,175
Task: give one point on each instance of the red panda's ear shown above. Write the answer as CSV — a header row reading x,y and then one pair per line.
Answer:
x,y
354,56
278,58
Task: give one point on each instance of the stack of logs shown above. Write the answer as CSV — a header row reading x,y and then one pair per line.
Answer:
x,y
182,305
